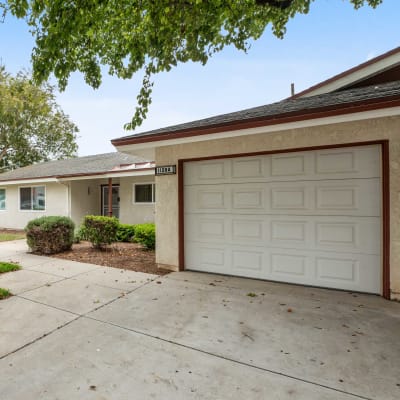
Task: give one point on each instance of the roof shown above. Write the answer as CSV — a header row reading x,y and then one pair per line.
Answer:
x,y
88,165
292,109
378,70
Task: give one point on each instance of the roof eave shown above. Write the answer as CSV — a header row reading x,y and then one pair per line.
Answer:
x,y
390,58
57,178
283,118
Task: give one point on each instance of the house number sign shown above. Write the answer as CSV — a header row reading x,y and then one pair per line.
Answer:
x,y
166,170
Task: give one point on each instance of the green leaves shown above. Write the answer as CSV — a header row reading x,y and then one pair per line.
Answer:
x,y
154,36
33,127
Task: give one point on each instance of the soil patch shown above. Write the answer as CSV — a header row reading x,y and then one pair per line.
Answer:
x,y
12,231
131,256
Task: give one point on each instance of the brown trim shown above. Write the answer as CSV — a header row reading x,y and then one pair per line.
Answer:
x,y
348,72
102,197
99,173
276,119
181,216
110,186
76,175
291,150
385,198
385,219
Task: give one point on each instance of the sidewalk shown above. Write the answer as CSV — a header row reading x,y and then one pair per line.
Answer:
x,y
53,292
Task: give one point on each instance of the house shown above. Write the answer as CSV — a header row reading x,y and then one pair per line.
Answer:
x,y
105,184
305,190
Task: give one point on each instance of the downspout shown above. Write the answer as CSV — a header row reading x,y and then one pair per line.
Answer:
x,y
110,213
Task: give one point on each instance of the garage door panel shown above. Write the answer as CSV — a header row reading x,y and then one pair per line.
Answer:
x,y
355,272
288,264
358,162
207,198
288,197
289,165
248,197
254,167
354,197
248,230
310,217
316,233
246,261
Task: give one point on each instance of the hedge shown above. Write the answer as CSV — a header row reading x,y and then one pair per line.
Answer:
x,y
145,234
50,234
99,230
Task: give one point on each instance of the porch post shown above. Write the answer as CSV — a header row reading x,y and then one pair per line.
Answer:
x,y
110,197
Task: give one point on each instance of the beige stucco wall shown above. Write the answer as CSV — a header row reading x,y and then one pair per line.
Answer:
x,y
131,213
360,131
14,218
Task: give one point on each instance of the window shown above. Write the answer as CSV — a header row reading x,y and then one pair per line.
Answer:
x,y
2,199
32,198
144,193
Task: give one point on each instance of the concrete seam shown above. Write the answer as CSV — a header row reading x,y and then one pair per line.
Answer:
x,y
39,338
78,316
228,359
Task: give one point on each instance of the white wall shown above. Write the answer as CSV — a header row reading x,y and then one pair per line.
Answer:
x,y
14,218
77,199
85,199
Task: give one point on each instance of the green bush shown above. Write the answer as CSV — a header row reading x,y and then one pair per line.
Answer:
x,y
145,234
99,230
125,232
49,235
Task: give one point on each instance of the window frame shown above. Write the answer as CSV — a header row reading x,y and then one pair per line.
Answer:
x,y
153,193
31,209
5,199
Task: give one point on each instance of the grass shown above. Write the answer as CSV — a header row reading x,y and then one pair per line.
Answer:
x,y
8,267
4,293
5,237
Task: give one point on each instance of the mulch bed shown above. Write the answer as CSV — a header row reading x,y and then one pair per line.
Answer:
x,y
131,256
12,231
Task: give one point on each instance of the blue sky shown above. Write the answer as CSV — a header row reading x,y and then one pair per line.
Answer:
x,y
330,39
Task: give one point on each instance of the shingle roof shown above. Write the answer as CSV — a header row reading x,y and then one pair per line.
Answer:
x,y
100,163
282,108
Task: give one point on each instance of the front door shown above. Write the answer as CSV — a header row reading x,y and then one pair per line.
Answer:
x,y
115,201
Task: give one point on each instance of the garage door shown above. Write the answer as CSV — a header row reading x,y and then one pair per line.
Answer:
x,y
311,218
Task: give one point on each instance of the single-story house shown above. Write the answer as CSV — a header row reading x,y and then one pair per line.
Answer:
x,y
115,184
305,190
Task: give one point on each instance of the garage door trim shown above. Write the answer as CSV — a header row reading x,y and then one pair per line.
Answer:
x,y
384,145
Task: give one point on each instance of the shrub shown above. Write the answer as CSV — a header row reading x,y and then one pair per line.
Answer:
x,y
145,234
125,232
49,235
99,230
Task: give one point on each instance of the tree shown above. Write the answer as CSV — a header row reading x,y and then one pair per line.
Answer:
x,y
33,127
153,36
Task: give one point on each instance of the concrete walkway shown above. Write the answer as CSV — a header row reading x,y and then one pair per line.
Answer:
x,y
77,330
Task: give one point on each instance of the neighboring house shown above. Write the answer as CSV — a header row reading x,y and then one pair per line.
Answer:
x,y
77,187
304,191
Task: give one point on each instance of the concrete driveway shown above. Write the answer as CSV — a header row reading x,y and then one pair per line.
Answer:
x,y
77,330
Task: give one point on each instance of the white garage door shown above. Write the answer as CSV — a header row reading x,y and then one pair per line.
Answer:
x,y
310,217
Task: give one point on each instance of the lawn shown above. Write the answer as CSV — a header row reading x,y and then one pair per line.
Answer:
x,y
6,236
8,267
4,293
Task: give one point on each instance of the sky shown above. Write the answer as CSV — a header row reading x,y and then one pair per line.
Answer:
x,y
333,37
